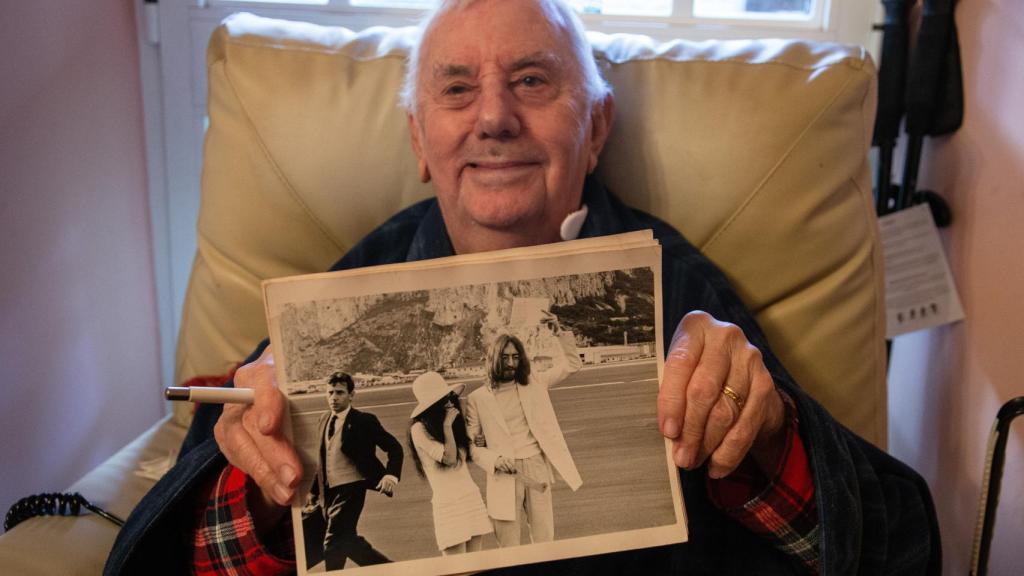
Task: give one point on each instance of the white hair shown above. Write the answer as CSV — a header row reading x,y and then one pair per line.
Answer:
x,y
594,85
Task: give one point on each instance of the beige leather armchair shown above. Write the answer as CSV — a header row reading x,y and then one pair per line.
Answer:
x,y
755,150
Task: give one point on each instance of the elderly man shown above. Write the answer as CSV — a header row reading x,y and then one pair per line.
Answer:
x,y
508,115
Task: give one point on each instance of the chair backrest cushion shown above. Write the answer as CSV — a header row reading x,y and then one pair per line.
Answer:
x,y
755,150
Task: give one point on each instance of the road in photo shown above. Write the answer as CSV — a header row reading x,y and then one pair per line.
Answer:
x,y
608,415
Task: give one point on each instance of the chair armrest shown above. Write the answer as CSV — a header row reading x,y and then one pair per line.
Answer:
x,y
80,545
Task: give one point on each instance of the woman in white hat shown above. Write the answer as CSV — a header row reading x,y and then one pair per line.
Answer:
x,y
440,444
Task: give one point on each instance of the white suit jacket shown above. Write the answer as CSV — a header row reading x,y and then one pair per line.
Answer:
x,y
483,415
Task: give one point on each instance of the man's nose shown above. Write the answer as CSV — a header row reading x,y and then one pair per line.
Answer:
x,y
498,117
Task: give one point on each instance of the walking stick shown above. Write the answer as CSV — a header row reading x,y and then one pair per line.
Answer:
x,y
993,477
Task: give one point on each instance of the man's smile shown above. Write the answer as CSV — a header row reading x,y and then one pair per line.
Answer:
x,y
497,173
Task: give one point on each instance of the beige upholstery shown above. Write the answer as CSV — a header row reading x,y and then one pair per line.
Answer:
x,y
57,545
755,150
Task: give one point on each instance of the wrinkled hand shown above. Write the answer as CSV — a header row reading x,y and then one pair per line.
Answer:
x,y
252,439
706,355
505,464
480,441
387,485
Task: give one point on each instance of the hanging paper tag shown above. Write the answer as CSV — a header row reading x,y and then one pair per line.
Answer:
x,y
919,290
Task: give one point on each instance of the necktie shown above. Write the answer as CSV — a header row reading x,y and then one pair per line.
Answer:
x,y
330,427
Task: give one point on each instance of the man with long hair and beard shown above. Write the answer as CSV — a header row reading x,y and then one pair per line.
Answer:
x,y
522,438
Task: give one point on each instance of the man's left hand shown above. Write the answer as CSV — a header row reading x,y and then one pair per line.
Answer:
x,y
387,485
697,412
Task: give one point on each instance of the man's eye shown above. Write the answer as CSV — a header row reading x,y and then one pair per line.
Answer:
x,y
531,81
456,90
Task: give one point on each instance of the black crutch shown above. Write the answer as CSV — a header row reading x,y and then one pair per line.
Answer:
x,y
935,102
892,80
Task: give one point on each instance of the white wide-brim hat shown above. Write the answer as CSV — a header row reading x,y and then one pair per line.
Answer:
x,y
430,387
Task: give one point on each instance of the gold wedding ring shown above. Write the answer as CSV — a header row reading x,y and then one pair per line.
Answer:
x,y
736,398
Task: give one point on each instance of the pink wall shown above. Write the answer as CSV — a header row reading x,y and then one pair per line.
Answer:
x,y
947,384
78,346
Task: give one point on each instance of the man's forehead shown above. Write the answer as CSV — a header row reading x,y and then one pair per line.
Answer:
x,y
454,66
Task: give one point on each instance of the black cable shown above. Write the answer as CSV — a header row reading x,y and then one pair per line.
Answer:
x,y
53,504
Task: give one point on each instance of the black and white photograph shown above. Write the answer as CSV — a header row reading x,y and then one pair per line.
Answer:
x,y
440,424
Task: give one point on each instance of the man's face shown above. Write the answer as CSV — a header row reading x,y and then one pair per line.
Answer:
x,y
338,397
503,126
509,362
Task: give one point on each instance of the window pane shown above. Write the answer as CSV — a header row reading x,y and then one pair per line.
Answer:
x,y
617,7
781,9
318,2
394,3
624,7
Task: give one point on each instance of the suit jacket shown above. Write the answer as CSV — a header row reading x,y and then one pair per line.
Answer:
x,y
362,434
483,415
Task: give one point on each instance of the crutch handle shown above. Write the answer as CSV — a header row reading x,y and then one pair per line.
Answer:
x,y
991,481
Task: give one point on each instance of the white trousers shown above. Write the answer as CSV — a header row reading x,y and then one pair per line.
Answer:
x,y
533,505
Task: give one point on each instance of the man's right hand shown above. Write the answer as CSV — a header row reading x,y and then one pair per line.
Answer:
x,y
251,438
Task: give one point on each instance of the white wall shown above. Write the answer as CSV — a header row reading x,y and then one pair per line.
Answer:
x,y
946,385
78,337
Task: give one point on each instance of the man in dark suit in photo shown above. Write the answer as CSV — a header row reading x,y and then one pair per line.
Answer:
x,y
347,467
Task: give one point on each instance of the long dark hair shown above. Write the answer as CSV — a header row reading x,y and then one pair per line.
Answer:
x,y
432,420
522,375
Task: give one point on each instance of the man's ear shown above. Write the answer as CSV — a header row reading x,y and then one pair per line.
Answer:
x,y
417,147
602,115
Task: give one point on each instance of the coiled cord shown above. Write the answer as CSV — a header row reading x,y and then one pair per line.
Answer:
x,y
53,504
